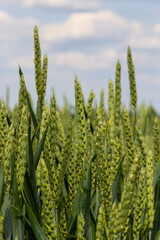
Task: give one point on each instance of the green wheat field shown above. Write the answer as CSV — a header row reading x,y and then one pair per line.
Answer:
x,y
89,173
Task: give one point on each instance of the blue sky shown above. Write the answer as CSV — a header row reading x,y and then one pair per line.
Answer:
x,y
83,38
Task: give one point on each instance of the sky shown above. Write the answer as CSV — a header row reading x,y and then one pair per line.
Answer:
x,y
83,38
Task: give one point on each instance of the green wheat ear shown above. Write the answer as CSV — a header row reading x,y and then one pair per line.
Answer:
x,y
48,213
3,130
71,168
125,206
47,153
156,140
129,137
117,94
132,80
111,113
101,224
141,145
22,95
81,150
60,128
37,61
150,190
44,123
44,78
80,227
102,106
140,202
40,73
113,222
89,103
22,149
8,152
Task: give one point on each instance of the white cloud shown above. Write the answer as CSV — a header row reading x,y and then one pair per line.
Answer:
x,y
143,59
69,4
148,78
73,60
13,29
95,25
105,25
79,60
146,42
100,25
5,17
26,62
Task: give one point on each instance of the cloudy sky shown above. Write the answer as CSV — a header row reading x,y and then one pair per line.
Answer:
x,y
83,38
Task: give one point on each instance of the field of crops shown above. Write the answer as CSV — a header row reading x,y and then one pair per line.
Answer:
x,y
89,173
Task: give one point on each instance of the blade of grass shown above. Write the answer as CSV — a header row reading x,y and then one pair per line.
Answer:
x,y
31,198
36,228
40,148
116,182
76,209
8,226
93,225
86,198
32,115
22,215
31,168
18,228
158,236
29,105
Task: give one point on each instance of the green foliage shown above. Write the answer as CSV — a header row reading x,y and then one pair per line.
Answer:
x,y
132,80
84,173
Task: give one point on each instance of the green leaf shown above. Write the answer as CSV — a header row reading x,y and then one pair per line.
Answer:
x,y
116,182
31,198
95,202
31,165
158,236
30,106
8,120
32,114
76,209
1,183
18,227
91,128
35,132
22,215
8,223
82,202
86,198
94,158
8,219
73,226
36,228
93,225
85,112
40,148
